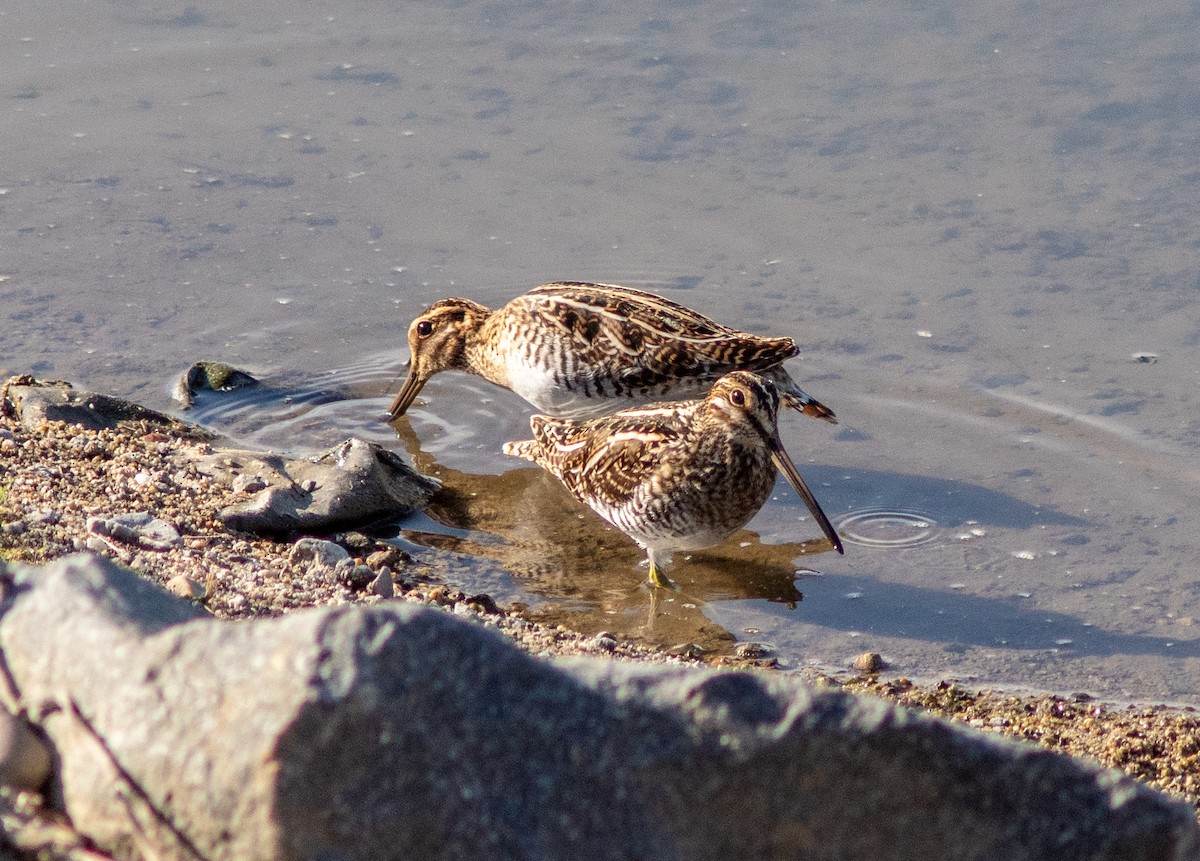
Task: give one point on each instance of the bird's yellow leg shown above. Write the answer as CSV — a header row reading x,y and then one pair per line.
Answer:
x,y
657,578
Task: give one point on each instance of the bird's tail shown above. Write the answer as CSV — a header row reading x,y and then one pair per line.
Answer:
x,y
796,398
810,406
525,448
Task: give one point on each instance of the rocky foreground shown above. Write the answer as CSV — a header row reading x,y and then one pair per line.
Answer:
x,y
655,761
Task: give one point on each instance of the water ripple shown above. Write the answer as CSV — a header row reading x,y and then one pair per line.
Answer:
x,y
887,528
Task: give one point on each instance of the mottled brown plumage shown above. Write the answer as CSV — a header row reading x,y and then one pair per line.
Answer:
x,y
580,350
675,476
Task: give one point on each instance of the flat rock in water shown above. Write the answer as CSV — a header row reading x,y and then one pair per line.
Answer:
x,y
355,482
35,401
400,732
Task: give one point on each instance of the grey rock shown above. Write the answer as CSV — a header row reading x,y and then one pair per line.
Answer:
x,y
247,483
98,545
398,732
354,482
604,640
46,515
318,553
357,576
35,401
382,584
137,529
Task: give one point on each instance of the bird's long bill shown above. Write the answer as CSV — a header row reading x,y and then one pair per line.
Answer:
x,y
408,392
784,464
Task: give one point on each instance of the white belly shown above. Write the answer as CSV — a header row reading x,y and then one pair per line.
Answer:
x,y
539,386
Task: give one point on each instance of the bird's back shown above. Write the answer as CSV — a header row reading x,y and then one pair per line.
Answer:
x,y
654,473
572,346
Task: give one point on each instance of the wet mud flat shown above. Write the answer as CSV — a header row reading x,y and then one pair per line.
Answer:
x,y
57,481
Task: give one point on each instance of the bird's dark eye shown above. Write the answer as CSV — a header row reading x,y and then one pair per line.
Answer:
x,y
738,398
424,328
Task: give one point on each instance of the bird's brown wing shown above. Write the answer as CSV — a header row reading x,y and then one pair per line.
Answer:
x,y
606,459
647,340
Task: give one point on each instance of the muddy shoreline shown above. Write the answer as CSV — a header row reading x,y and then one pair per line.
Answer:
x,y
56,478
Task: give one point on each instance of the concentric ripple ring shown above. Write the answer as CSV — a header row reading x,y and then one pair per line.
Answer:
x,y
887,528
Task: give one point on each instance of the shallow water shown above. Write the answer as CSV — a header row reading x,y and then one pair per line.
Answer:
x,y
978,222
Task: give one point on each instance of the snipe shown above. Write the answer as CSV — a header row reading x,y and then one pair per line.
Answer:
x,y
675,476
580,350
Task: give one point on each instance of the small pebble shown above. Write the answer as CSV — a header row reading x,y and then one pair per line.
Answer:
x,y
687,650
483,603
139,529
319,553
186,587
751,651
603,641
392,557
15,527
382,584
869,662
245,483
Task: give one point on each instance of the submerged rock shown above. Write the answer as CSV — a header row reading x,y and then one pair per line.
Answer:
x,y
354,482
400,732
216,376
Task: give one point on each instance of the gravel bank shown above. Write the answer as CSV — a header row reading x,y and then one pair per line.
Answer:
x,y
59,479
